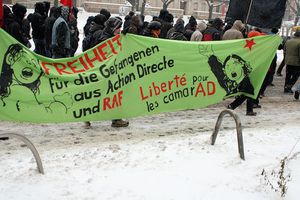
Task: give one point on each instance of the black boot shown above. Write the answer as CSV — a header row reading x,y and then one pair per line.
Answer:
x,y
251,113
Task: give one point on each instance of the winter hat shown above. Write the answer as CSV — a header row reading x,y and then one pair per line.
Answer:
x,y
131,13
154,25
193,21
297,33
19,10
201,26
136,21
238,25
253,33
217,23
100,19
179,26
162,14
113,23
64,13
105,12
169,18
39,8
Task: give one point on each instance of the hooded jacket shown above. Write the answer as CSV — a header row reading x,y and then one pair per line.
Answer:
x,y
37,20
15,27
135,26
111,25
235,32
197,35
178,31
292,48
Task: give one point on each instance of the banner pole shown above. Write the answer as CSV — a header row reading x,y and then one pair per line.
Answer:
x,y
249,10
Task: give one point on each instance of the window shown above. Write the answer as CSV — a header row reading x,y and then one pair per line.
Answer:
x,y
204,6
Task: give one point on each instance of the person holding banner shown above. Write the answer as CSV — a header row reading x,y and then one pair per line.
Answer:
x,y
15,27
153,29
112,27
37,20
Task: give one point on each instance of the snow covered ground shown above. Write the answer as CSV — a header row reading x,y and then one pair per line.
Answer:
x,y
160,157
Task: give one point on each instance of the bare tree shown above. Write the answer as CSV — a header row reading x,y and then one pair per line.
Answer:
x,y
295,8
166,3
211,6
143,7
56,3
133,4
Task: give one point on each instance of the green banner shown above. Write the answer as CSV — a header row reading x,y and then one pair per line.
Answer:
x,y
128,76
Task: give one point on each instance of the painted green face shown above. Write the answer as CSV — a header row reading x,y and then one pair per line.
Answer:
x,y
25,68
234,70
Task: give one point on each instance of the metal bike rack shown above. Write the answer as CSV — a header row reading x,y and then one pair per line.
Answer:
x,y
29,145
238,130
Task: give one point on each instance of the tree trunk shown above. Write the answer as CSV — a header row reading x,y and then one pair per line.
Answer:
x,y
210,12
297,14
56,3
137,5
143,7
296,20
132,2
165,6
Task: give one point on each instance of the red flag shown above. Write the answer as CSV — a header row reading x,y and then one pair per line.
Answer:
x,y
1,13
65,2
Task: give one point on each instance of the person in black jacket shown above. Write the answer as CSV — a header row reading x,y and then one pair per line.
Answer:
x,y
135,26
15,25
37,20
178,31
54,14
7,17
112,27
96,30
128,20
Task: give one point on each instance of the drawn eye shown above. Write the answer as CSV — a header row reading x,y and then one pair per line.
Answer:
x,y
27,72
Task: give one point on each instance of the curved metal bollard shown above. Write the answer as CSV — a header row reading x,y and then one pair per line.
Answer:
x,y
29,145
238,130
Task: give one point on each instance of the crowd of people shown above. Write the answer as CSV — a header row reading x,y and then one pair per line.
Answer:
x,y
55,34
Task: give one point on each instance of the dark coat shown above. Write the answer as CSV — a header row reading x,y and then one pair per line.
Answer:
x,y
38,25
15,29
178,31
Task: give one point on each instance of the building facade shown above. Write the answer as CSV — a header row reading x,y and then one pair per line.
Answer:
x,y
197,8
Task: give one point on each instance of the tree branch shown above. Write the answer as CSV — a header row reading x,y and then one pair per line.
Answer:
x,y
292,8
208,2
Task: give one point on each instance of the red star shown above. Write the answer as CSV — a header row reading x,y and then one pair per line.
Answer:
x,y
249,44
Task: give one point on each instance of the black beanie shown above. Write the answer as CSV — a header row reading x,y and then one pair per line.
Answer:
x,y
113,23
100,19
105,12
154,25
19,10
